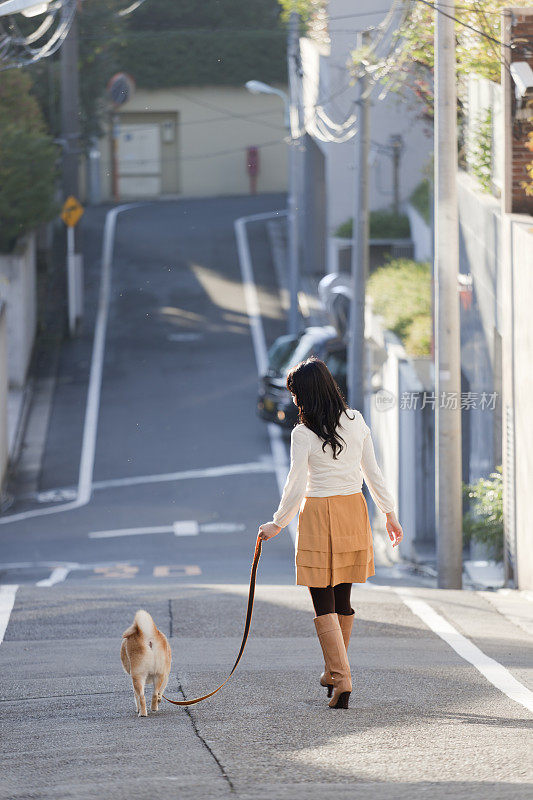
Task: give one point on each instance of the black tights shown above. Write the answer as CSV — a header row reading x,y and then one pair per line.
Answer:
x,y
331,599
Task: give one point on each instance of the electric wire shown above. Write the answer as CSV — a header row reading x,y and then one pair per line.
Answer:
x,y
15,50
436,7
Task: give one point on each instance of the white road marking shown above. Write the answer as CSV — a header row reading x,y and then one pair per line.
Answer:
x,y
183,527
7,601
114,534
90,425
221,527
176,570
258,340
139,480
184,337
186,527
123,570
492,670
57,575
97,360
56,495
250,292
47,564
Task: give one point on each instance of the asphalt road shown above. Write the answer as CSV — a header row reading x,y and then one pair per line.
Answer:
x,y
178,394
183,474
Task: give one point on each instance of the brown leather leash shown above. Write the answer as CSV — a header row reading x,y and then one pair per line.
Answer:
x,y
251,593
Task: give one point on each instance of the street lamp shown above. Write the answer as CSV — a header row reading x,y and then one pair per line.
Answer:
x,y
257,87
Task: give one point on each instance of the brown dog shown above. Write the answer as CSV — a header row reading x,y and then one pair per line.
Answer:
x,y
145,654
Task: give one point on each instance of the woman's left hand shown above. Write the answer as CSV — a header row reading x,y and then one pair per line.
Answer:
x,y
267,530
394,529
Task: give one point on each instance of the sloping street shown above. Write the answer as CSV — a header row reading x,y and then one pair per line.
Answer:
x,y
156,472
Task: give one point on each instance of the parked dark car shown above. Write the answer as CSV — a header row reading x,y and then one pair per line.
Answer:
x,y
275,401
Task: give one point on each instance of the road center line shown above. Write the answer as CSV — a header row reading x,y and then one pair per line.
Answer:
x,y
7,601
492,670
258,339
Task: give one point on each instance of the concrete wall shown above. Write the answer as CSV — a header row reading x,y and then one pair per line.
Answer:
x,y
3,395
522,287
421,234
203,135
480,253
402,435
18,280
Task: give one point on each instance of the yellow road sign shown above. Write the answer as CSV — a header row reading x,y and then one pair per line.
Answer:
x,y
71,211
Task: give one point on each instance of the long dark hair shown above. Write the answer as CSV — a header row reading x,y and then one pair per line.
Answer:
x,y
320,401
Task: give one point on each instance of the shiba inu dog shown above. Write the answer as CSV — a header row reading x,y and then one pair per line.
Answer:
x,y
146,656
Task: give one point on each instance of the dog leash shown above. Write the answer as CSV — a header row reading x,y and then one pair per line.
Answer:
x,y
249,610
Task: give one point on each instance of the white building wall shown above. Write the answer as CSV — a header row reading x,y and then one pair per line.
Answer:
x,y
389,116
203,135
521,256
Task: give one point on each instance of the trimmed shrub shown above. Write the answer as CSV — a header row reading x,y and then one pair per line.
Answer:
x,y
164,59
420,199
383,225
27,162
401,291
484,521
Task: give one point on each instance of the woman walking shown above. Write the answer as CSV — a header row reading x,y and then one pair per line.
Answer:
x,y
331,452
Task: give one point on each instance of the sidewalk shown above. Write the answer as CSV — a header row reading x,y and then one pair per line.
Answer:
x,y
478,574
422,721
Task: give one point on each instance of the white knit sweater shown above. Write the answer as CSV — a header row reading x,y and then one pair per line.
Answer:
x,y
315,473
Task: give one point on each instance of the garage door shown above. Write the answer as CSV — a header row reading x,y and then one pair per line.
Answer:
x,y
139,160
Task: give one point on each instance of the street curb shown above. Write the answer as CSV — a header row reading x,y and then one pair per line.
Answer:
x,y
22,419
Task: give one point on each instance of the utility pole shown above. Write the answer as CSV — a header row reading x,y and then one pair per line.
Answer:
x,y
294,119
396,145
448,467
70,134
359,262
70,106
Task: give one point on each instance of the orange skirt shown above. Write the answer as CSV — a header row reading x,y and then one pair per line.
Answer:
x,y
334,541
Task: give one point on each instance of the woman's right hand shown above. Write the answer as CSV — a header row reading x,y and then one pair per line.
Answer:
x,y
394,529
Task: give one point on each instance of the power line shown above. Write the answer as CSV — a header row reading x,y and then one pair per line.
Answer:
x,y
30,55
360,14
130,9
232,114
217,154
465,24
133,34
222,118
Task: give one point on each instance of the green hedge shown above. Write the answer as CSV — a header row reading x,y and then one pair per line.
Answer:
x,y
383,225
420,199
164,59
27,161
185,14
401,291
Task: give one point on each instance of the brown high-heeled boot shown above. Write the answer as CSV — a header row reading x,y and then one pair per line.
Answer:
x,y
346,623
332,643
